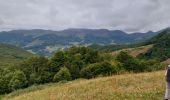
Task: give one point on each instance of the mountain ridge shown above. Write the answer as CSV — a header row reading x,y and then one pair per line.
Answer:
x,y
41,41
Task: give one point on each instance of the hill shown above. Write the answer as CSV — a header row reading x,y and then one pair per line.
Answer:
x,y
45,42
134,51
142,86
10,54
161,47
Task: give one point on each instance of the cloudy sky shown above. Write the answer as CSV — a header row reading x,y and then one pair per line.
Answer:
x,y
127,15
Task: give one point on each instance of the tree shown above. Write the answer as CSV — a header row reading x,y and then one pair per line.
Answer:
x,y
57,61
5,77
37,66
18,80
62,75
75,64
130,63
80,57
94,70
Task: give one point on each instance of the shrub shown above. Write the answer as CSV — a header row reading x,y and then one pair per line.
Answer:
x,y
153,65
117,67
130,63
62,75
18,80
5,77
94,70
40,78
36,70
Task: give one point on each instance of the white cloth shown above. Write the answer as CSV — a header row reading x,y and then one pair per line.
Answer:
x,y
167,90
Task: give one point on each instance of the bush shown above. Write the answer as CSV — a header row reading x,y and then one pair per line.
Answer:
x,y
153,65
62,75
36,70
117,67
130,63
5,77
18,80
94,70
40,78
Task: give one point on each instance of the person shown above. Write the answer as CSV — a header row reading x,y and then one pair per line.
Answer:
x,y
167,75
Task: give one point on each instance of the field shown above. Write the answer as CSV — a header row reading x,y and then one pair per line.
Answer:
x,y
134,51
142,86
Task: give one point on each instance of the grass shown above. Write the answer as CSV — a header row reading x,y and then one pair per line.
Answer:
x,y
134,51
1,96
142,86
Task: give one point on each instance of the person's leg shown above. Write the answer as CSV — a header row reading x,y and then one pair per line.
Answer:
x,y
167,91
166,94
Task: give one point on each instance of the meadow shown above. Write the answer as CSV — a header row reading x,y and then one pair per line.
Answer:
x,y
130,86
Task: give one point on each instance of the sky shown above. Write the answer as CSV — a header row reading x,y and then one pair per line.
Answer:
x,y
126,15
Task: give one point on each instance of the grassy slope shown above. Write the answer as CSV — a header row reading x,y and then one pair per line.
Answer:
x,y
134,51
10,54
143,86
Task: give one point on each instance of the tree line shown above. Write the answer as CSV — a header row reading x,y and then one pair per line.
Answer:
x,y
71,64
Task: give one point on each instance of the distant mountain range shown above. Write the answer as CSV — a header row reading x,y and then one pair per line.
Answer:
x,y
45,42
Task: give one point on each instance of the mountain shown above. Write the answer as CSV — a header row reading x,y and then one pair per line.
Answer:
x,y
143,86
44,42
163,35
161,46
11,54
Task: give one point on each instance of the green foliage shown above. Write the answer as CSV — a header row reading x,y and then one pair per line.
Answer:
x,y
78,62
94,70
129,63
62,75
5,77
11,80
75,58
153,65
118,69
36,70
107,56
18,80
57,61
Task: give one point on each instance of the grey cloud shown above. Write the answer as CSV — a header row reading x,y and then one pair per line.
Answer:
x,y
1,22
127,15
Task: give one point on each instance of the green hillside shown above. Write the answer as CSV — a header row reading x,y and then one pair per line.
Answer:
x,y
161,47
143,86
10,54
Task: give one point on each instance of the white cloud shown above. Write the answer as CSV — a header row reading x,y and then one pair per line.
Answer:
x,y
127,15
